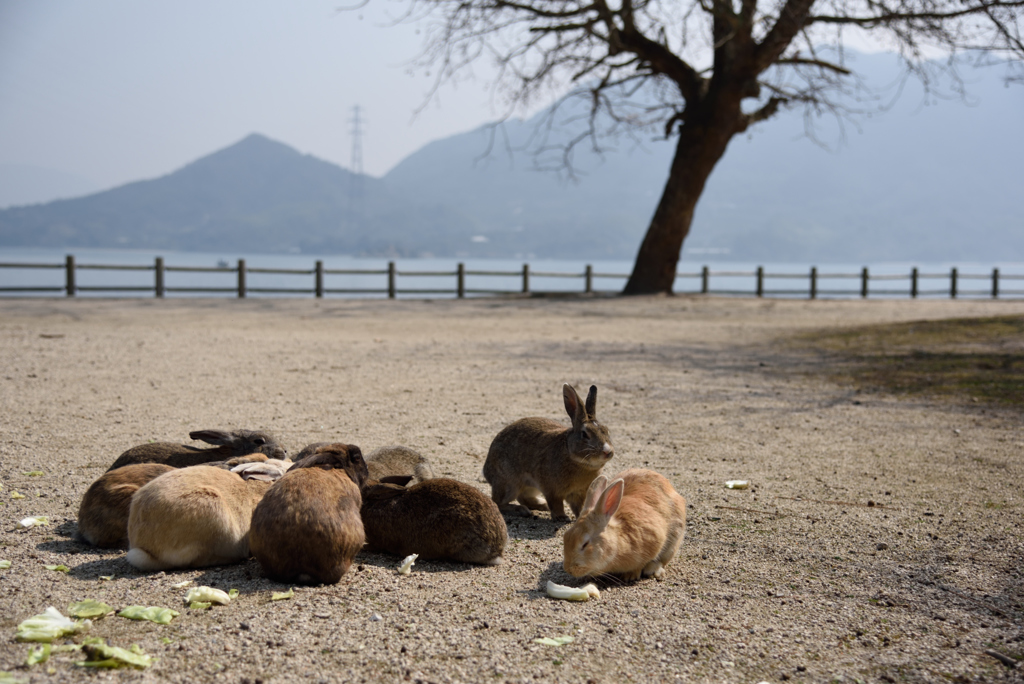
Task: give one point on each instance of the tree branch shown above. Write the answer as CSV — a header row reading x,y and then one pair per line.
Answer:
x,y
814,62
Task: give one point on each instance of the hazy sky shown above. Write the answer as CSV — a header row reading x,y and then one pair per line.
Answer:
x,y
120,90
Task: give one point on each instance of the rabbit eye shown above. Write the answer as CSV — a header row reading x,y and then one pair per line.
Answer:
x,y
585,545
259,441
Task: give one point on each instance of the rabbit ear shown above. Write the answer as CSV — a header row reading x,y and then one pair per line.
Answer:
x,y
573,405
362,471
382,492
212,436
592,403
610,499
400,480
594,491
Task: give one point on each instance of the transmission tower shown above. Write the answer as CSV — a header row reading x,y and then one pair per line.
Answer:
x,y
355,191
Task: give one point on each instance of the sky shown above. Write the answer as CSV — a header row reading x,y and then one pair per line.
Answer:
x,y
120,90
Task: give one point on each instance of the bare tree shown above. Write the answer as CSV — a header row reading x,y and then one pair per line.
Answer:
x,y
701,70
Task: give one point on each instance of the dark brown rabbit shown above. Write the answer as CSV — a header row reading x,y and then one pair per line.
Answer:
x,y
230,445
437,518
398,460
307,526
539,456
103,513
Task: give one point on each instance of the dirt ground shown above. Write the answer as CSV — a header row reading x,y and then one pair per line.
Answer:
x,y
879,540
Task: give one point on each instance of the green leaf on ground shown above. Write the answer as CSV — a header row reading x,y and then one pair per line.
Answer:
x,y
554,641
39,654
103,656
282,595
49,625
161,616
89,609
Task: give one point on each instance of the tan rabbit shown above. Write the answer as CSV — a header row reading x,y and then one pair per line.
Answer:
x,y
438,518
229,445
103,512
539,456
398,460
194,517
307,528
631,527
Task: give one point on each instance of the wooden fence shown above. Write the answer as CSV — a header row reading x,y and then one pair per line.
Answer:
x,y
388,278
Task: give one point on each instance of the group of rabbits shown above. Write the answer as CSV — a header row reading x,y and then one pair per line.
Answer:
x,y
305,519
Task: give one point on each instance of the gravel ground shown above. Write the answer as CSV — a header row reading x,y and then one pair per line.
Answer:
x,y
880,538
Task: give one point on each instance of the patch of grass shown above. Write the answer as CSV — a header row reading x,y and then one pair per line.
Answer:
x,y
964,359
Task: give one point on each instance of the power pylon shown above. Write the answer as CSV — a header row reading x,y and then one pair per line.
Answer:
x,y
355,191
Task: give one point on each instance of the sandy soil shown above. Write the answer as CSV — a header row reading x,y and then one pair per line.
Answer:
x,y
880,539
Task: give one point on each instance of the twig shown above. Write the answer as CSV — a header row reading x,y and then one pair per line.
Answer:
x,y
836,503
1004,659
751,510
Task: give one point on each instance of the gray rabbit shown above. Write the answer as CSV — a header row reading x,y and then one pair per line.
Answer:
x,y
229,445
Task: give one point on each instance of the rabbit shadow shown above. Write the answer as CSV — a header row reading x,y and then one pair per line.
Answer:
x,y
94,570
521,527
67,529
557,574
247,577
388,562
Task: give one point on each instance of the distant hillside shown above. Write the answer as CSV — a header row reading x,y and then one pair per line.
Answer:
x,y
924,181
257,195
937,181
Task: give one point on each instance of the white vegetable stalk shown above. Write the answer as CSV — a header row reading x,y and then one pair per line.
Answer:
x,y
560,591
207,595
406,567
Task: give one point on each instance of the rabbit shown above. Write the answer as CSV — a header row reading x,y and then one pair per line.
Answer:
x,y
194,517
230,445
398,460
307,528
437,518
103,512
631,527
535,456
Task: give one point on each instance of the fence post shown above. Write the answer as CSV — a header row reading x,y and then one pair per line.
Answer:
x,y
319,286
589,279
864,282
526,278
814,282
462,280
704,278
760,281
995,283
913,283
241,278
952,283
391,280
69,268
159,268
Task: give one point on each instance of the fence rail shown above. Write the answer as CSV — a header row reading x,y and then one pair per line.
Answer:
x,y
241,288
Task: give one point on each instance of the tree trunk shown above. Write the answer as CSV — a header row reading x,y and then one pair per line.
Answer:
x,y
698,150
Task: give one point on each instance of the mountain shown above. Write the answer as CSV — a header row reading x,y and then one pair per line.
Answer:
x,y
256,195
923,179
